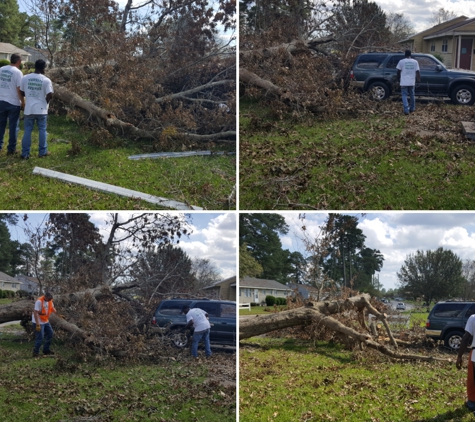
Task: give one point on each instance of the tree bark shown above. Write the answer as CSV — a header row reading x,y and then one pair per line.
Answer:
x,y
252,79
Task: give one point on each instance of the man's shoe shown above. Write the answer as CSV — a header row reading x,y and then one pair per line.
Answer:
x,y
25,157
36,355
48,352
12,153
44,155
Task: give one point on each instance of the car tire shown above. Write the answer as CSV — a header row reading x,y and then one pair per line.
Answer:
x,y
179,339
378,91
453,340
463,95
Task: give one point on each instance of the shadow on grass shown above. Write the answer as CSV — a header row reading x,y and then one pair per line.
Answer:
x,y
450,415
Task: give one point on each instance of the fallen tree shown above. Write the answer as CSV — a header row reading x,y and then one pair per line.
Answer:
x,y
168,82
323,313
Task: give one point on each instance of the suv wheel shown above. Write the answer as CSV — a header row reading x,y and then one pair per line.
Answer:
x,y
453,340
378,91
179,339
463,95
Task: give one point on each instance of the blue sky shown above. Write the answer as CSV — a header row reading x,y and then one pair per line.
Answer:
x,y
214,237
397,234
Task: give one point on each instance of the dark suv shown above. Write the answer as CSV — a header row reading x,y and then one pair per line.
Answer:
x,y
377,74
222,318
446,321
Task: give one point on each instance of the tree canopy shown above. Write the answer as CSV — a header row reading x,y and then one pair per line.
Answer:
x,y
260,233
432,275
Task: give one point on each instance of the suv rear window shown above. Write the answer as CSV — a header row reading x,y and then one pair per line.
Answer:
x,y
451,310
173,307
367,61
228,310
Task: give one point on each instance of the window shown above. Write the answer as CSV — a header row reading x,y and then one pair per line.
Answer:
x,y
393,61
452,310
370,61
426,63
228,310
210,308
173,307
432,46
445,45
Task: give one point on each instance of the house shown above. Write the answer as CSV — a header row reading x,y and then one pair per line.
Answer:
x,y
9,283
307,292
6,50
224,290
37,54
255,290
453,41
29,284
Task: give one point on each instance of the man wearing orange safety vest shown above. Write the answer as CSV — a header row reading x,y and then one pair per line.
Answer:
x,y
43,309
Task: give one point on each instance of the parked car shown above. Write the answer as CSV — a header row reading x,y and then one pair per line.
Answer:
x,y
376,73
401,306
222,318
446,321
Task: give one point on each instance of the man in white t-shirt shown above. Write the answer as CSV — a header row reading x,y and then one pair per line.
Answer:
x,y
408,73
198,318
11,101
38,91
468,339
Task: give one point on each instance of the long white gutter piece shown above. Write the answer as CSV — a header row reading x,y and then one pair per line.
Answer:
x,y
105,187
176,154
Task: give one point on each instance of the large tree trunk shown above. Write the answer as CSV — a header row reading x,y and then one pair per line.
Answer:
x,y
321,312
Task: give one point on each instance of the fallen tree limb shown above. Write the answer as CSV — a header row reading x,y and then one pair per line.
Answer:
x,y
291,47
200,88
320,313
122,128
252,79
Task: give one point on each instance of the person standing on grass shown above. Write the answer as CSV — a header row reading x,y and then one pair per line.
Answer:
x,y
43,309
408,73
198,318
38,91
11,101
468,342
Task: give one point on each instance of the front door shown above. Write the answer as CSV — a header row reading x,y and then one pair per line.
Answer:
x,y
466,54
256,295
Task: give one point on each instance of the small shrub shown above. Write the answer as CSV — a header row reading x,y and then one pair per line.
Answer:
x,y
270,300
281,301
22,293
4,62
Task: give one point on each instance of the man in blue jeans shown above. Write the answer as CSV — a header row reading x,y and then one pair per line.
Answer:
x,y
43,309
408,73
38,91
198,318
11,101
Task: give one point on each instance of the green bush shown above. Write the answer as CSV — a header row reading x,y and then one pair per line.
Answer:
x,y
270,300
281,301
4,62
439,57
30,65
22,293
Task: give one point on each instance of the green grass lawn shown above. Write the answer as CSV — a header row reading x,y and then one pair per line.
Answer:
x,y
207,182
294,380
64,389
377,159
261,310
